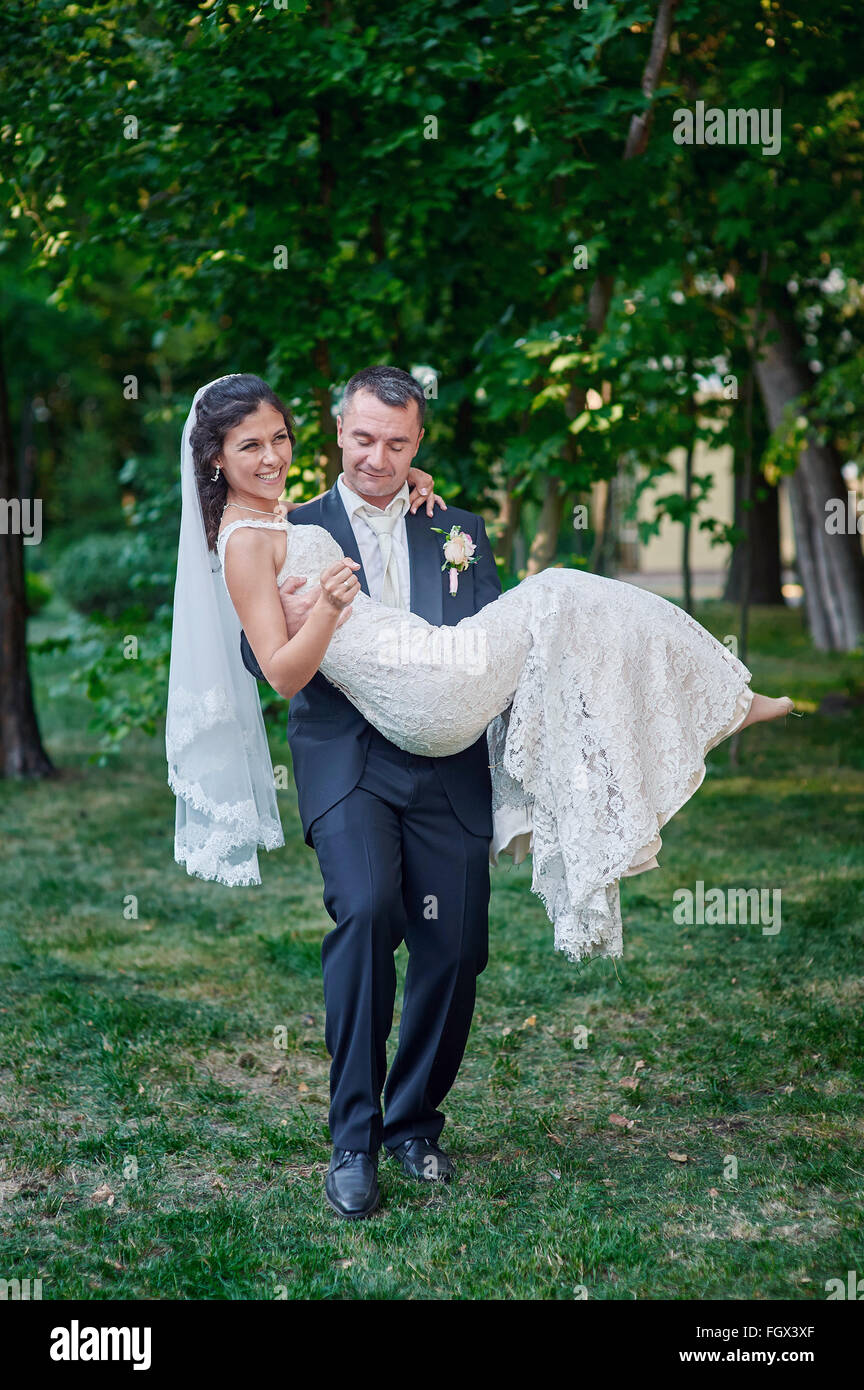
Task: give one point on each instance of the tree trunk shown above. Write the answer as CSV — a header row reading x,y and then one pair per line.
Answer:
x,y
600,294
747,520
545,543
762,520
687,526
831,567
766,576
21,751
604,556
509,516
640,125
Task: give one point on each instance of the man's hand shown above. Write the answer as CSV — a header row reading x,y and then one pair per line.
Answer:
x,y
420,487
296,607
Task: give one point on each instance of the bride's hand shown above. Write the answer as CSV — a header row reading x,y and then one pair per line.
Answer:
x,y
339,585
420,487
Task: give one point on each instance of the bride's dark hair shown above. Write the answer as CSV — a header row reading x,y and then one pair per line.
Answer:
x,y
225,405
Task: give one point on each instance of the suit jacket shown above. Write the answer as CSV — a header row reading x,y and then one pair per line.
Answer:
x,y
328,736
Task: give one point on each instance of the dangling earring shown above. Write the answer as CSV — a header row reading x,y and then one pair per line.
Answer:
x,y
215,477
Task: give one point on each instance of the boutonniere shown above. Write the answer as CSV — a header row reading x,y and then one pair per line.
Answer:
x,y
458,553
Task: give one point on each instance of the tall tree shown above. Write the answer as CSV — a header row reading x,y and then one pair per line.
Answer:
x,y
21,751
830,562
544,545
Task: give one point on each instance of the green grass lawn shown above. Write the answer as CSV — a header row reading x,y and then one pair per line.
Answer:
x,y
157,1144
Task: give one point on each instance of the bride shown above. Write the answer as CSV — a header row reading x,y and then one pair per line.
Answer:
x,y
600,699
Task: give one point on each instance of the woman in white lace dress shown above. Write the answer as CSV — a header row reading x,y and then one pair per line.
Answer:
x,y
601,700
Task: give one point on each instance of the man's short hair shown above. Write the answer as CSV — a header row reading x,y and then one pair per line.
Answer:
x,y
390,385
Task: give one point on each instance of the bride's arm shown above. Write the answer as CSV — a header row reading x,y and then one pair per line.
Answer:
x,y
422,486
288,663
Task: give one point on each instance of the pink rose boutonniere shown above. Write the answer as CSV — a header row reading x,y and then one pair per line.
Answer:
x,y
458,553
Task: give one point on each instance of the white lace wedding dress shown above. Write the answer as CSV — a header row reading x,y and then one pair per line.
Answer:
x,y
600,700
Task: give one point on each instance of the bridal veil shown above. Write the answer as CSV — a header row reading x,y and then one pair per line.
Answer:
x,y
219,765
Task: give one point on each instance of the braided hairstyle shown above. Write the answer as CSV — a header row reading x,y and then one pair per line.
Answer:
x,y
222,407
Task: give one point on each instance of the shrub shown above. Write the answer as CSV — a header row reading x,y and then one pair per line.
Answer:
x,y
109,574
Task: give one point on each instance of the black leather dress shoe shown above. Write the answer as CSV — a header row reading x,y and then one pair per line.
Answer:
x,y
351,1185
422,1158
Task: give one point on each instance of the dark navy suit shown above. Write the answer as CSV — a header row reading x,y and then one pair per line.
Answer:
x,y
403,845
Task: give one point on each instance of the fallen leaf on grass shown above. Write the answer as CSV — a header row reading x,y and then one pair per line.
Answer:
x,y
621,1121
679,1158
104,1194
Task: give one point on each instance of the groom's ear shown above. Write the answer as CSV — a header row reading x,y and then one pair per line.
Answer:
x,y
339,430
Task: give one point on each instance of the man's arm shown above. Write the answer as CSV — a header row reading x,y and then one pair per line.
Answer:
x,y
487,581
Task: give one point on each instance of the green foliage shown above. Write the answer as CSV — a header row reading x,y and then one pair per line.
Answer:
x,y
122,669
39,592
197,189
126,681
786,442
109,574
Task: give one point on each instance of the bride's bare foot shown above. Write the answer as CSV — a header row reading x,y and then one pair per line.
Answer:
x,y
764,708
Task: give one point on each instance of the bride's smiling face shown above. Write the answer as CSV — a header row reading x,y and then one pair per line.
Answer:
x,y
256,454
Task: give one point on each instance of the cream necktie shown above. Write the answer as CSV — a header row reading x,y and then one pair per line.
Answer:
x,y
383,524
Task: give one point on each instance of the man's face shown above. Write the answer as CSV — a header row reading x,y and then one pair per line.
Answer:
x,y
378,443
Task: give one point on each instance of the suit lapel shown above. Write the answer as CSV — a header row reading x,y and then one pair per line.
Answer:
x,y
424,559
424,555
334,519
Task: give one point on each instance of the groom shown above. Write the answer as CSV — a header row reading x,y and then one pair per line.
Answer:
x,y
402,840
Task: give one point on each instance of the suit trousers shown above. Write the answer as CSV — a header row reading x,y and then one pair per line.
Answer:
x,y
398,865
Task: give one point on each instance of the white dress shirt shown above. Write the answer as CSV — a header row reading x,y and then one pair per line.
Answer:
x,y
367,541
